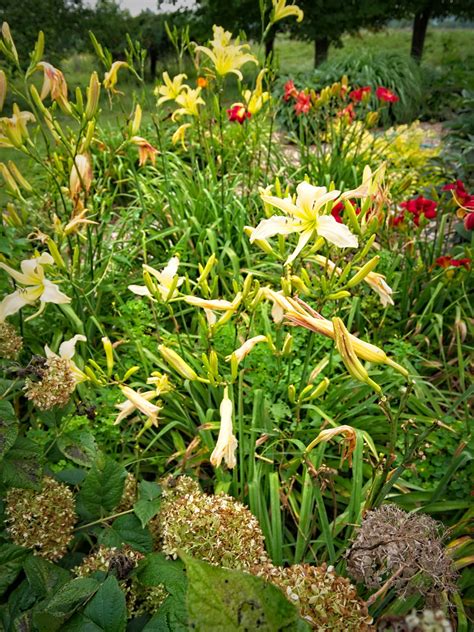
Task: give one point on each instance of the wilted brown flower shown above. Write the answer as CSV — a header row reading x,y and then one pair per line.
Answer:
x,y
42,521
324,599
404,547
424,621
55,386
129,496
216,529
122,562
10,342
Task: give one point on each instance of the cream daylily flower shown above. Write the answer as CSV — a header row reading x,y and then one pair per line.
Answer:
x,y
66,351
168,281
214,305
110,77
240,353
380,286
13,130
282,11
370,186
189,101
35,287
226,441
171,88
138,401
227,57
303,217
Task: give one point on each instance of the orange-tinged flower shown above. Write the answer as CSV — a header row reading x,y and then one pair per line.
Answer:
x,y
146,151
54,84
81,175
202,82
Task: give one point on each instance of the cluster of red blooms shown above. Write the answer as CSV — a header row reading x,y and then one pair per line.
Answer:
x,y
303,99
446,261
417,207
337,210
237,113
465,200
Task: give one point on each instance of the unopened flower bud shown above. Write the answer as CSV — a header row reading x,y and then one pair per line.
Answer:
x,y
177,363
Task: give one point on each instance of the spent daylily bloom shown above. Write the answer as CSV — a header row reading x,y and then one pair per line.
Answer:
x,y
13,130
189,100
81,175
178,136
246,348
110,77
66,351
34,287
138,401
226,441
214,305
370,185
297,312
303,217
281,11
146,151
168,280
55,85
225,56
161,382
171,88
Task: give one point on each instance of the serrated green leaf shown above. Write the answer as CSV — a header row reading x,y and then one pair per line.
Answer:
x,y
21,465
222,600
79,446
44,577
11,563
70,596
107,610
127,530
102,488
8,427
148,503
156,569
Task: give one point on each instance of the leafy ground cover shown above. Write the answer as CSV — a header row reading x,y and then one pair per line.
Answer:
x,y
235,379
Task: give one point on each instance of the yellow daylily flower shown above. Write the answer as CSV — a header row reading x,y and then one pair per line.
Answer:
x,y
168,280
189,101
146,151
161,382
255,100
214,305
138,401
178,136
226,441
225,56
67,350
171,88
34,287
13,130
282,11
303,217
110,77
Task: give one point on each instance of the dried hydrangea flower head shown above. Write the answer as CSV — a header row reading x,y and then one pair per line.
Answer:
x,y
10,342
325,600
424,621
42,521
217,529
55,385
405,547
122,563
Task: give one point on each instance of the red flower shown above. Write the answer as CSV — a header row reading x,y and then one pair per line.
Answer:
x,y
358,94
420,206
384,94
303,103
336,212
290,90
398,219
469,221
349,112
461,195
238,113
446,261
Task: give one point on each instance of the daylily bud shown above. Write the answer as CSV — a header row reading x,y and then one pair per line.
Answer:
x,y
131,371
3,88
109,354
297,283
18,177
93,94
79,101
9,179
214,364
86,143
364,271
287,345
9,43
336,296
234,367
260,243
320,389
291,393
54,251
207,268
11,217
135,123
177,363
349,357
38,51
247,286
352,217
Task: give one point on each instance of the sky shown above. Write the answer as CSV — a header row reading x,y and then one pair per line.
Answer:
x,y
135,6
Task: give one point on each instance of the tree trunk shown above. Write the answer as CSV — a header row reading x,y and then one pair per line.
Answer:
x,y
270,43
153,52
420,24
321,48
